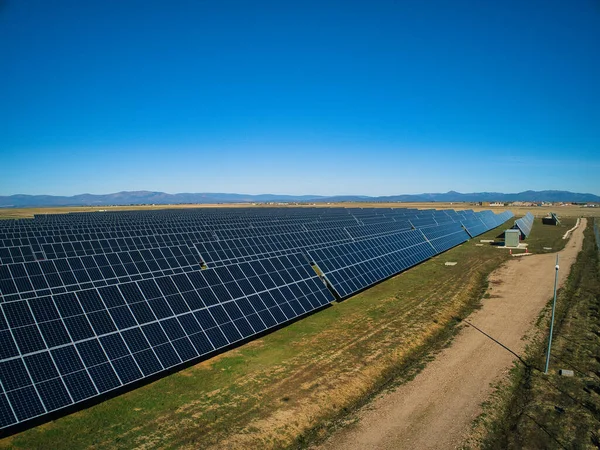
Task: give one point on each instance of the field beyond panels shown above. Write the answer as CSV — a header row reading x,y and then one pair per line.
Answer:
x,y
562,211
295,385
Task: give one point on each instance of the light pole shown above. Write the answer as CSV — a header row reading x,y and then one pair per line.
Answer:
x,y
552,319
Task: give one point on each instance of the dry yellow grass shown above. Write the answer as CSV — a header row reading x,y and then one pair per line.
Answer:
x,y
565,211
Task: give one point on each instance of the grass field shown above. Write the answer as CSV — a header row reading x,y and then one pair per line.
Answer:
x,y
565,211
534,410
544,237
294,385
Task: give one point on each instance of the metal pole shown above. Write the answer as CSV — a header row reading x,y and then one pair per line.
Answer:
x,y
552,319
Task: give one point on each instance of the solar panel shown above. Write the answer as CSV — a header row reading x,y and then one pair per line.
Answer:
x,y
366,231
503,217
524,224
352,267
446,236
474,227
242,249
420,222
480,222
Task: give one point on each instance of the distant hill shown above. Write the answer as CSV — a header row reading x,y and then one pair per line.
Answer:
x,y
526,196
162,198
144,198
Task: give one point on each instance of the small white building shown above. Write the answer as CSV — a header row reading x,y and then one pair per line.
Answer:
x,y
511,238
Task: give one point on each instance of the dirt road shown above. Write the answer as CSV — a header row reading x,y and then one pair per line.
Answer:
x,y
436,409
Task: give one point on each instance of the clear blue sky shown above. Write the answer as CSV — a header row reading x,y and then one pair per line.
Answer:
x,y
304,97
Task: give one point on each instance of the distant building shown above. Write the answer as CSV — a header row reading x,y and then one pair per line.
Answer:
x,y
523,204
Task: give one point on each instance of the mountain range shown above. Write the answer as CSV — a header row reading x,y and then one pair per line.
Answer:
x,y
162,198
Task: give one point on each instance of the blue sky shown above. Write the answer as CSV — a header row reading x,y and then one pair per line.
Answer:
x,y
311,97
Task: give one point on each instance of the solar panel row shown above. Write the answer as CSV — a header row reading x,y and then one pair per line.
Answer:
x,y
60,349
354,266
444,237
524,224
91,302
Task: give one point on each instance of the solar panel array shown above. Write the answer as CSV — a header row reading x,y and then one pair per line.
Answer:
x,y
92,302
524,224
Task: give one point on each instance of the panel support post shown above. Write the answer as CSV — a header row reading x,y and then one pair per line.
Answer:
x,y
552,319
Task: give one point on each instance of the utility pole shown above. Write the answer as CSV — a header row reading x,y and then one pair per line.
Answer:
x,y
552,319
